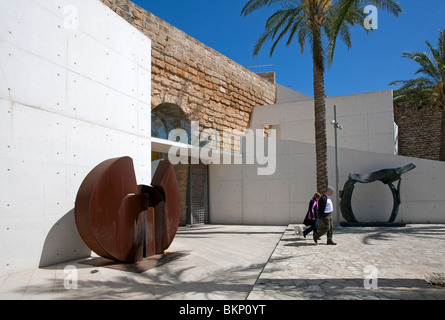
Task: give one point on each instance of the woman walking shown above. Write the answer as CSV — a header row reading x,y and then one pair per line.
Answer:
x,y
311,218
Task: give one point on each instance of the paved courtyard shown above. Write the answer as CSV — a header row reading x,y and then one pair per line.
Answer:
x,y
367,263
220,262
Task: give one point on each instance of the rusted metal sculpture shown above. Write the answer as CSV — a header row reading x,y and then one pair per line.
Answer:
x,y
119,220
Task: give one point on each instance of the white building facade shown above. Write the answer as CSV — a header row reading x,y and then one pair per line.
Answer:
x,y
75,91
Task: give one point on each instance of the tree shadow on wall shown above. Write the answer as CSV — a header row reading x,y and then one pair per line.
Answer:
x,y
63,242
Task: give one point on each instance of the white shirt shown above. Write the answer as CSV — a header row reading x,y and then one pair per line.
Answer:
x,y
329,206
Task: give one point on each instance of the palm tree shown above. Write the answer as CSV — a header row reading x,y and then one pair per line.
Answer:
x,y
318,22
429,88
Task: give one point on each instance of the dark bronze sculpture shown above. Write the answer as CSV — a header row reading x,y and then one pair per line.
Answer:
x,y
119,220
386,176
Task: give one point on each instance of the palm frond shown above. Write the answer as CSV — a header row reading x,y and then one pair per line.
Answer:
x,y
428,66
254,5
441,45
348,13
430,86
282,22
420,83
389,6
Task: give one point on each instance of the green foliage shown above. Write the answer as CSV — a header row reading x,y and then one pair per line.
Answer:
x,y
318,22
428,87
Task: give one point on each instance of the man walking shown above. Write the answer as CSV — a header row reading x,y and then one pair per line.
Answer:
x,y
325,209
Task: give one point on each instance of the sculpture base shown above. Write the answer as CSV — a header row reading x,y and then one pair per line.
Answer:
x,y
373,224
137,267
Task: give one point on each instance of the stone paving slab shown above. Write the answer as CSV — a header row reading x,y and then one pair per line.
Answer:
x,y
367,263
217,262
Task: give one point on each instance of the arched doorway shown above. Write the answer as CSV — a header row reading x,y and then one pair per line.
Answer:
x,y
165,118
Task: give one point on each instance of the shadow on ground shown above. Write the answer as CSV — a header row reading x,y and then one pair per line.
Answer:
x,y
162,284
346,289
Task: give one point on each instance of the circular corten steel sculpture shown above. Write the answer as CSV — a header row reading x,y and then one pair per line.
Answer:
x,y
119,220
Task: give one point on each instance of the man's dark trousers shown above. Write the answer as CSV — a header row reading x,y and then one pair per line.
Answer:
x,y
325,225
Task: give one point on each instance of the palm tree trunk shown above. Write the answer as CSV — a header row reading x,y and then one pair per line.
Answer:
x,y
442,137
320,117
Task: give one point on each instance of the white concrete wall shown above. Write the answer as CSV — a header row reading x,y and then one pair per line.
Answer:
x,y
239,195
367,120
422,189
74,91
285,94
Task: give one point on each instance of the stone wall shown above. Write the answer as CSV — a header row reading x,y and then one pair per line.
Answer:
x,y
419,131
207,86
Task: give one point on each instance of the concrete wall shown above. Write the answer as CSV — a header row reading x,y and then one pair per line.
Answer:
x,y
238,195
74,91
422,195
367,120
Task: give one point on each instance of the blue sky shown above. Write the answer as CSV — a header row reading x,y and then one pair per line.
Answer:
x,y
370,65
